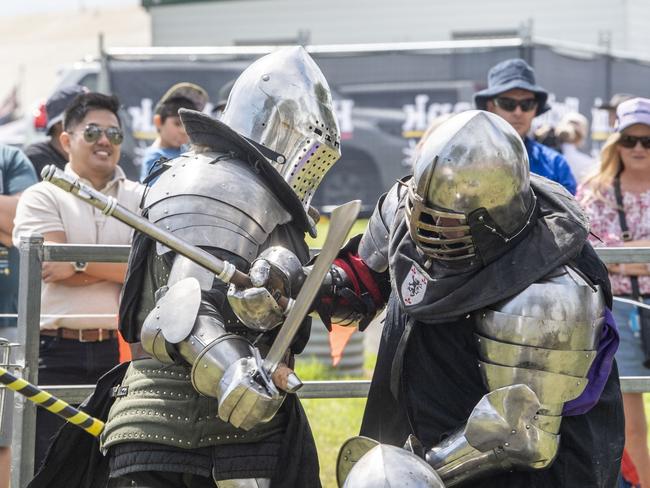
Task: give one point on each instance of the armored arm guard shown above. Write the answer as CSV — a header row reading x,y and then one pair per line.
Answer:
x,y
535,350
191,322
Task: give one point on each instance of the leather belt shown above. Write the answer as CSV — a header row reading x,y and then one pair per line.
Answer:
x,y
81,335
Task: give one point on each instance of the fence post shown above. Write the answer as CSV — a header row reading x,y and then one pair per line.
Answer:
x,y
29,317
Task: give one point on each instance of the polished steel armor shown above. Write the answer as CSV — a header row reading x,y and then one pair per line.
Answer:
x,y
535,350
277,269
245,483
473,161
373,247
386,466
283,102
200,199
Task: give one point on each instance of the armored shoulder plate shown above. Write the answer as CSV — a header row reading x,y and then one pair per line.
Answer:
x,y
545,337
212,200
373,247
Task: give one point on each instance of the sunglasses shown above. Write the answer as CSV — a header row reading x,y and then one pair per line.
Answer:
x,y
92,133
631,141
510,104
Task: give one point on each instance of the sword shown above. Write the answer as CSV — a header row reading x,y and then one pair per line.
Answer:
x,y
51,403
341,221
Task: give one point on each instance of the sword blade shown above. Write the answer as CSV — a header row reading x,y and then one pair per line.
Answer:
x,y
342,220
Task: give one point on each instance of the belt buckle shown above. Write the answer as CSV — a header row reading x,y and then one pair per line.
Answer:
x,y
81,336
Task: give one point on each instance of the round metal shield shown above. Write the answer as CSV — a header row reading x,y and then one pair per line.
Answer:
x,y
387,466
351,451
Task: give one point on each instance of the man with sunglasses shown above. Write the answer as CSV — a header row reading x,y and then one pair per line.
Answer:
x,y
513,95
78,340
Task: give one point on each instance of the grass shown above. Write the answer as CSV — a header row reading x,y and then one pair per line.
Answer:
x,y
332,421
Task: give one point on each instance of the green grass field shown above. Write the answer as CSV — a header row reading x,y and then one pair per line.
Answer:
x,y
332,421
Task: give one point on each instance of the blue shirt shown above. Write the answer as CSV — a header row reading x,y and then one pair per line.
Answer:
x,y
153,154
16,174
547,162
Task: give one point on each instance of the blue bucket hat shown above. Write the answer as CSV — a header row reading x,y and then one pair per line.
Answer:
x,y
508,75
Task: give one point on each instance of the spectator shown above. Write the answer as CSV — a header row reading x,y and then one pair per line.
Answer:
x,y
572,131
513,95
16,174
222,99
74,349
50,151
612,105
616,198
171,133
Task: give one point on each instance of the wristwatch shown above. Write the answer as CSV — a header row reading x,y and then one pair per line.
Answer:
x,y
80,266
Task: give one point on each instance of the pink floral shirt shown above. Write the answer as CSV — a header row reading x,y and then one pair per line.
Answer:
x,y
606,225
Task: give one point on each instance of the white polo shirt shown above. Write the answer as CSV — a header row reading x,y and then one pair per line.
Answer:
x,y
44,208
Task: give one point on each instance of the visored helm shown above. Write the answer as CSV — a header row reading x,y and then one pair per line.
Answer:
x,y
282,101
470,192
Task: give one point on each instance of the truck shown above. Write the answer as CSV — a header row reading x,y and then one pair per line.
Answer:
x,y
385,95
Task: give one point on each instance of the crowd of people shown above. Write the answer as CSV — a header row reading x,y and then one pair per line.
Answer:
x,y
430,236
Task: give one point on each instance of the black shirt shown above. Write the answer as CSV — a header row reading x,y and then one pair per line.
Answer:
x,y
43,153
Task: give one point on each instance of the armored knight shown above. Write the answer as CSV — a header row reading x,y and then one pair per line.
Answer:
x,y
496,361
200,410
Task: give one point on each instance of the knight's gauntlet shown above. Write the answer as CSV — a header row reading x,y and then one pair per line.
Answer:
x,y
276,272
502,433
224,365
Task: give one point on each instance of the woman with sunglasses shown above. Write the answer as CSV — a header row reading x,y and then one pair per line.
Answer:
x,y
617,200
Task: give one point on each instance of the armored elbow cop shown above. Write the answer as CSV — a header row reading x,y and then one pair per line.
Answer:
x,y
175,329
535,350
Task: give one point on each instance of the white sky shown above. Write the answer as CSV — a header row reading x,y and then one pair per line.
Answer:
x,y
24,7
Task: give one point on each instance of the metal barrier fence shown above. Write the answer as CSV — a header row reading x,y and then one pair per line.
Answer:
x,y
33,253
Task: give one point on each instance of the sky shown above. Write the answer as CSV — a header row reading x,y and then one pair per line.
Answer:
x,y
25,7
42,38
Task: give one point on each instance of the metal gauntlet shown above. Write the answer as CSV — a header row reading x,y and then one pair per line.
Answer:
x,y
277,271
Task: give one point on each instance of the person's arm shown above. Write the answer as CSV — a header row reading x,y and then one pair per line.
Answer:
x,y
632,269
64,272
18,174
8,205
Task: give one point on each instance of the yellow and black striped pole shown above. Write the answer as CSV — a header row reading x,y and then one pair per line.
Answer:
x,y
51,403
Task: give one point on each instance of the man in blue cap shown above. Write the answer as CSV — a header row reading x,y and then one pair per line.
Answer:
x,y
513,95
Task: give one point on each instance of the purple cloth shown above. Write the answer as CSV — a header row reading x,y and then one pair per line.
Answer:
x,y
599,371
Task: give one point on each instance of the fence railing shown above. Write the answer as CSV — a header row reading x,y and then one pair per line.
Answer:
x,y
33,252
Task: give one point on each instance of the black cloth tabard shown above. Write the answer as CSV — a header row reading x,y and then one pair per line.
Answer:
x,y
74,458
